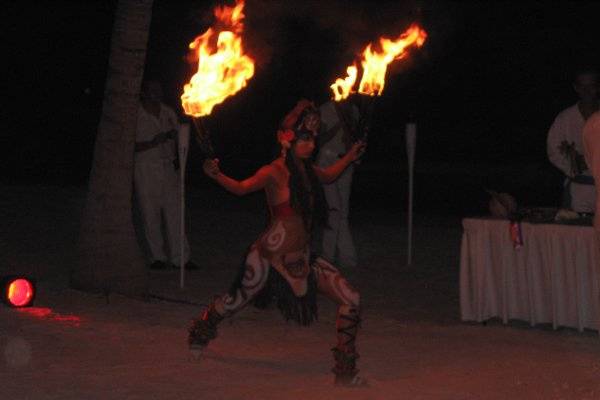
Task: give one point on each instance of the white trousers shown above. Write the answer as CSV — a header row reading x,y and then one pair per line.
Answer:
x,y
157,189
338,246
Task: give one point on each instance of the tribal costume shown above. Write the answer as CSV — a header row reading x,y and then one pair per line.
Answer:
x,y
278,265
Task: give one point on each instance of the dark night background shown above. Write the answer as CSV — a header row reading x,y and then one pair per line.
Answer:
x,y
483,90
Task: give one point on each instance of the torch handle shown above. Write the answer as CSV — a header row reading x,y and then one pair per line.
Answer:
x,y
366,116
203,138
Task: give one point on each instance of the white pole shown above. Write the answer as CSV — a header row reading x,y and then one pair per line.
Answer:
x,y
182,148
411,143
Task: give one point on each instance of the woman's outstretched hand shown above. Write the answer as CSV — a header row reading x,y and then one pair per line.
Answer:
x,y
211,167
357,150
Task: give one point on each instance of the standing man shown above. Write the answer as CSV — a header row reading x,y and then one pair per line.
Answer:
x,y
591,144
339,121
156,179
565,143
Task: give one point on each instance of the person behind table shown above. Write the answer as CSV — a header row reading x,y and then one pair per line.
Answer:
x,y
591,145
339,130
156,179
565,143
278,264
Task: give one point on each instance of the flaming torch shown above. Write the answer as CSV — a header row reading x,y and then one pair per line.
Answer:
x,y
223,69
374,67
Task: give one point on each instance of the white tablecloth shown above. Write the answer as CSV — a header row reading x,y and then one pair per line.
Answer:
x,y
553,278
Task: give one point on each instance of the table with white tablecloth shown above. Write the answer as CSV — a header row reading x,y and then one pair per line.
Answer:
x,y
554,277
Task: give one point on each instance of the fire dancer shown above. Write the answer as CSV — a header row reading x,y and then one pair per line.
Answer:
x,y
279,265
156,179
565,143
340,125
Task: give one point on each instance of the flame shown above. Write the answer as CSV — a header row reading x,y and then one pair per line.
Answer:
x,y
343,87
374,64
222,70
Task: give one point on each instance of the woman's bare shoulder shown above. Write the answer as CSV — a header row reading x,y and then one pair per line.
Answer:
x,y
272,170
278,169
278,164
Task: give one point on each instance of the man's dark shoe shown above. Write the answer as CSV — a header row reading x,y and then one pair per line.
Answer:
x,y
188,266
191,266
158,265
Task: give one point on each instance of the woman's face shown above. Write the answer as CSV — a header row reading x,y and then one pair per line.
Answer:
x,y
304,147
312,122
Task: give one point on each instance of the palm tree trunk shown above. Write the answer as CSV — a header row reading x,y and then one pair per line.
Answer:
x,y
110,259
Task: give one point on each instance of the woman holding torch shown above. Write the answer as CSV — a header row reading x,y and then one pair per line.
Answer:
x,y
279,265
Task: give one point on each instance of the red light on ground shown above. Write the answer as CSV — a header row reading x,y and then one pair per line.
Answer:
x,y
47,314
18,292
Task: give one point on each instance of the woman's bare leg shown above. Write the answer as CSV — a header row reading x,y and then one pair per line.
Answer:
x,y
204,329
332,284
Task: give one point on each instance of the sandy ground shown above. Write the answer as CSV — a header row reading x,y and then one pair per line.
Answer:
x,y
76,345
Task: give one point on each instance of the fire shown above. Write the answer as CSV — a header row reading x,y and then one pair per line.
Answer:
x,y
343,87
374,64
224,69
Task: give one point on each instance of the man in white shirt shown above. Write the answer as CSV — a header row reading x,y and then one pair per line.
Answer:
x,y
156,179
339,121
565,143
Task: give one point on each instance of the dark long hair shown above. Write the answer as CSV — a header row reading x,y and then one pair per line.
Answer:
x,y
309,201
